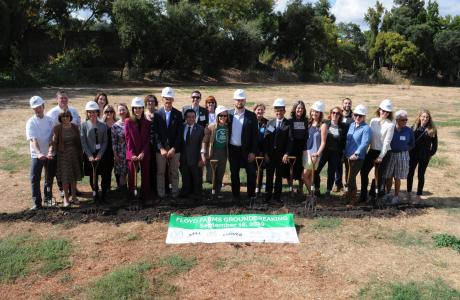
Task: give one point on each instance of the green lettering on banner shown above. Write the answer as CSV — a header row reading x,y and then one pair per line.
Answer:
x,y
232,221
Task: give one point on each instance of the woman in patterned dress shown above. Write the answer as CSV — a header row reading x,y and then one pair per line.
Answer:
x,y
119,147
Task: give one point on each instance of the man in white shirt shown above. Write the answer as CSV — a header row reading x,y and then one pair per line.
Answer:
x,y
39,130
242,145
62,104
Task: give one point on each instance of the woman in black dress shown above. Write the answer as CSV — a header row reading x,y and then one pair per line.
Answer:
x,y
299,123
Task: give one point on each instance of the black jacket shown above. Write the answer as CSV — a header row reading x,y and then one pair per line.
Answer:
x,y
169,137
249,134
339,144
202,118
278,141
425,145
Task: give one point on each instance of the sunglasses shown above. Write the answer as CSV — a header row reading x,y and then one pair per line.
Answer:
x,y
213,103
223,116
403,120
196,97
335,113
109,112
65,116
359,116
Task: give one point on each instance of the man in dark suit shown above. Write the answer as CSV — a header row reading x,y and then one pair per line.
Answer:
x,y
190,160
242,145
169,142
278,141
201,113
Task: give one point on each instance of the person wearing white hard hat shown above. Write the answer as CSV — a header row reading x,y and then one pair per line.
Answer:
x,y
67,145
358,139
316,142
259,110
215,146
382,129
94,141
299,124
277,146
202,116
333,152
62,104
168,144
242,146
39,129
137,136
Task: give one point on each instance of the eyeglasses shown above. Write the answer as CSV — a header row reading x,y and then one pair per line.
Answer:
x,y
358,116
223,116
109,112
213,103
335,113
196,97
402,120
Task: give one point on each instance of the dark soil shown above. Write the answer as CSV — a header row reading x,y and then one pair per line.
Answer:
x,y
120,211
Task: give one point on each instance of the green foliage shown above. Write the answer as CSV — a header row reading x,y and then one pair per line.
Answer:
x,y
177,264
411,290
127,282
447,46
438,162
447,240
17,253
12,161
327,223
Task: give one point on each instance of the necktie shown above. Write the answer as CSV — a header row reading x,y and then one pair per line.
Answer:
x,y
187,136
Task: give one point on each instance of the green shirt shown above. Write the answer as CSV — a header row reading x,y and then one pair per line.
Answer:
x,y
220,140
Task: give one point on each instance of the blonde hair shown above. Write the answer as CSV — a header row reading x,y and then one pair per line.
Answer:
x,y
431,128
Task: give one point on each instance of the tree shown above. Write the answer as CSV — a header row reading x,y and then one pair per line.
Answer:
x,y
301,37
447,46
373,17
352,33
391,49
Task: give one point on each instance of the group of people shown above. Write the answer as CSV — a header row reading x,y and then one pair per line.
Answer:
x,y
161,142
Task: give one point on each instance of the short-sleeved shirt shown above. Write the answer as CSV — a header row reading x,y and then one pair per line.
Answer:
x,y
55,111
42,130
221,138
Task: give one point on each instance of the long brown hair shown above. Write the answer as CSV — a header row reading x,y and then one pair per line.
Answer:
x,y
310,119
431,128
340,114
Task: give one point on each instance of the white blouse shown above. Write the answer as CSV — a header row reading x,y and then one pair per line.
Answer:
x,y
382,133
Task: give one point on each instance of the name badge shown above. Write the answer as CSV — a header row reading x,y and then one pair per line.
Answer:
x,y
202,118
271,128
402,138
299,125
98,146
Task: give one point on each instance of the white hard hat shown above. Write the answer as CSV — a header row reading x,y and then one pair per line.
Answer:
x,y
386,105
239,94
220,109
319,106
91,105
279,102
360,110
36,101
167,92
137,102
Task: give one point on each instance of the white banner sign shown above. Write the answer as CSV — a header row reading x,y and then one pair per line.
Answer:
x,y
256,228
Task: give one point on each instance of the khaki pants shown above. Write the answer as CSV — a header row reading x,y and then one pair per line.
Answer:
x,y
173,174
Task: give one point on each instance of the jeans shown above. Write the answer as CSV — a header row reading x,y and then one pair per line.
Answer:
x,y
35,178
332,159
422,165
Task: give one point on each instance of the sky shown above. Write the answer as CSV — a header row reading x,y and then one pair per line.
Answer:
x,y
354,10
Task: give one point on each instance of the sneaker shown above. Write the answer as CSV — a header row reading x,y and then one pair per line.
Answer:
x,y
35,207
395,200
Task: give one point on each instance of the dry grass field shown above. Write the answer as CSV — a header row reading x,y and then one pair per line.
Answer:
x,y
366,256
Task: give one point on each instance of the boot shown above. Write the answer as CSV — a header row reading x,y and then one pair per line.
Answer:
x,y
353,200
104,196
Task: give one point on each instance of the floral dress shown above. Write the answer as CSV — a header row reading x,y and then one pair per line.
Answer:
x,y
119,147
